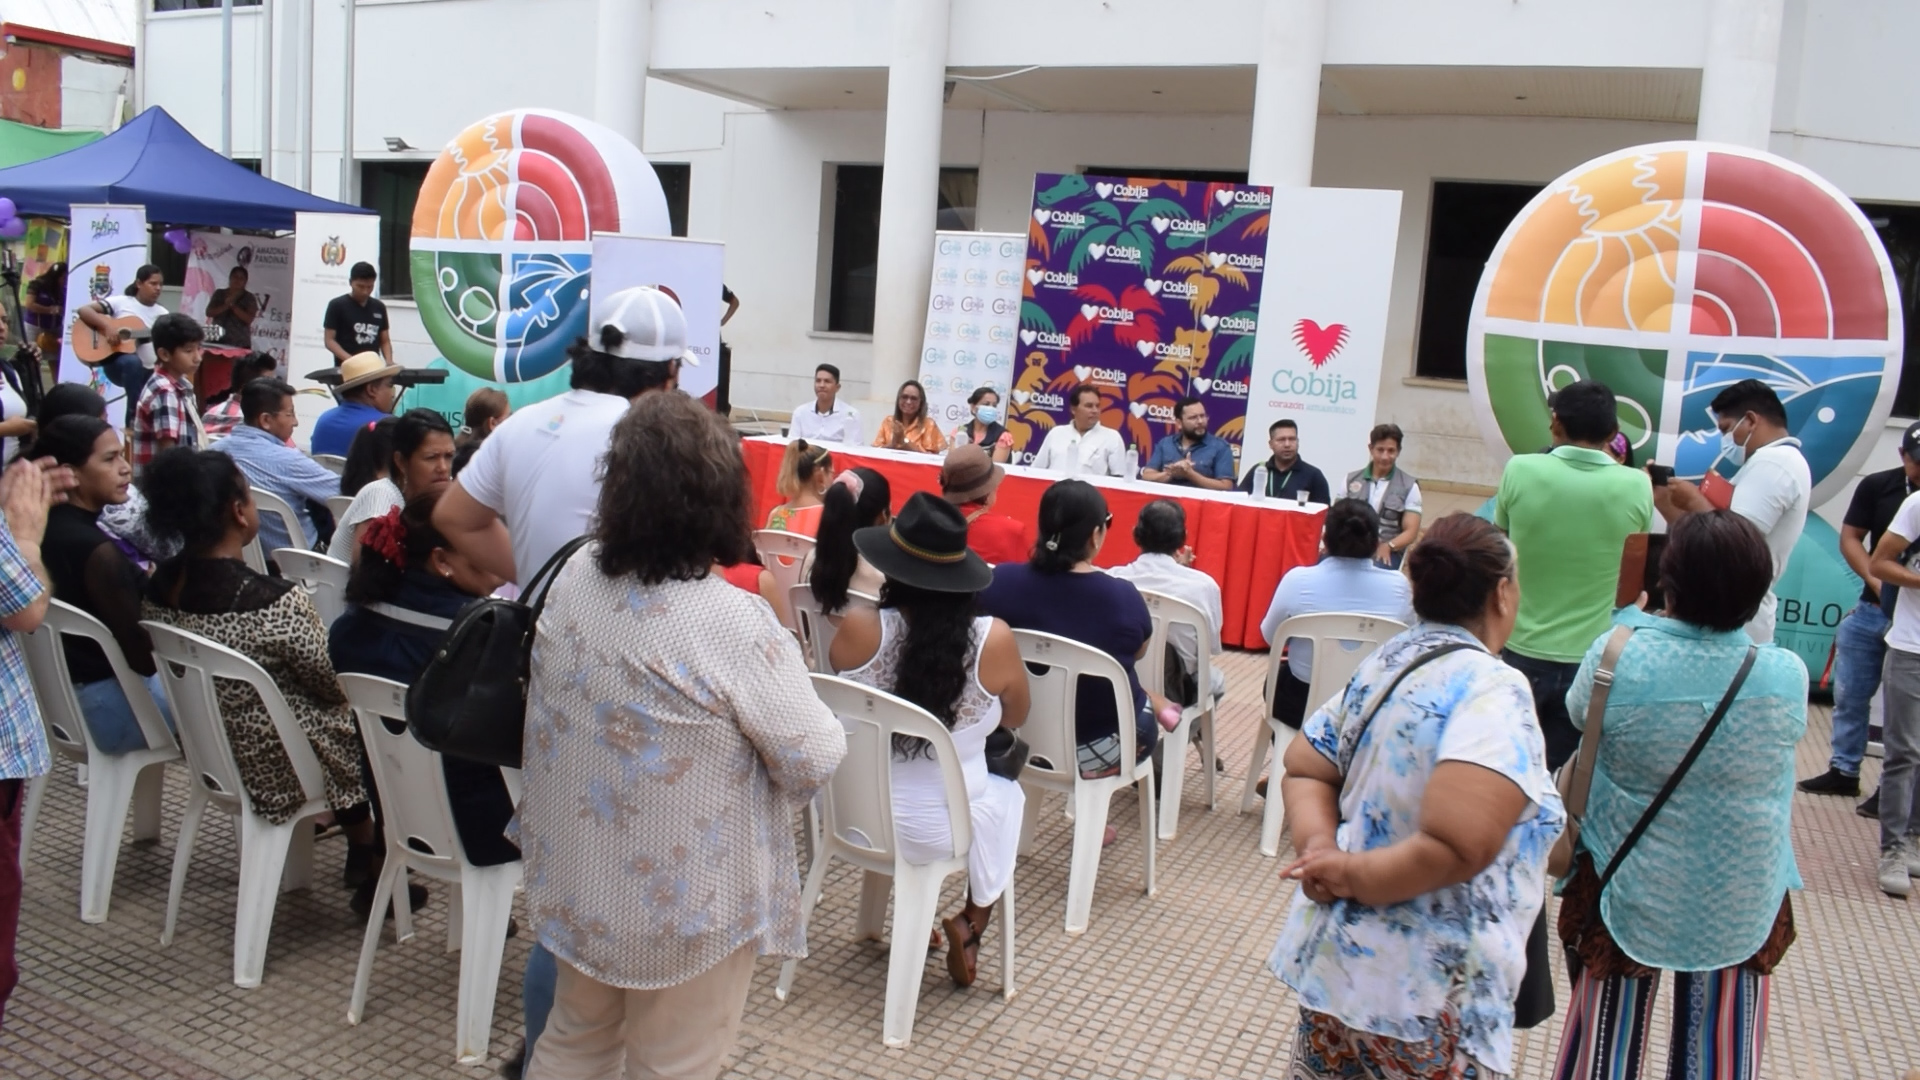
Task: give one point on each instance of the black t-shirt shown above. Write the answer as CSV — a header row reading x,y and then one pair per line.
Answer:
x,y
1288,483
1876,498
357,327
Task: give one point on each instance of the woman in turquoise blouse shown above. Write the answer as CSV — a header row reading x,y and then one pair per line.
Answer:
x,y
1704,891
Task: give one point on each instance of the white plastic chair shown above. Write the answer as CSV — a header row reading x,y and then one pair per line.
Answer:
x,y
1169,612
337,506
273,858
786,556
1341,640
266,502
857,807
815,629
1054,766
421,837
323,576
333,463
114,781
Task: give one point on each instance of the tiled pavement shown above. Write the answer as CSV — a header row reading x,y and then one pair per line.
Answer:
x,y
1169,986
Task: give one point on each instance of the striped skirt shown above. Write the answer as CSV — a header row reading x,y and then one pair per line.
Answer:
x,y
1719,1026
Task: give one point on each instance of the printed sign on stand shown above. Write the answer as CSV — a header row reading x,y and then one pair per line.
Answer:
x,y
690,270
973,321
325,247
1319,362
108,243
266,277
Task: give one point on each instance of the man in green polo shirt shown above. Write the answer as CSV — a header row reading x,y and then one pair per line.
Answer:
x,y
1569,512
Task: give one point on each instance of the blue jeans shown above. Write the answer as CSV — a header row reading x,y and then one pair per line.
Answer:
x,y
1859,650
536,993
127,372
109,717
1550,681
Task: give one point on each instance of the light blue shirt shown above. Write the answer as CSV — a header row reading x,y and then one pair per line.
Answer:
x,y
274,467
1724,835
1212,456
1351,585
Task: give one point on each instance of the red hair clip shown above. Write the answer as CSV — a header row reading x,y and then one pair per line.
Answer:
x,y
387,537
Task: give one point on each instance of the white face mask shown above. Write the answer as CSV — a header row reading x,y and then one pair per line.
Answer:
x,y
1732,451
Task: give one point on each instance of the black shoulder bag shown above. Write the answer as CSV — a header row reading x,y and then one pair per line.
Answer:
x,y
470,702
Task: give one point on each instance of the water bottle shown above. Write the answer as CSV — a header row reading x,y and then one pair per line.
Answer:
x,y
1259,482
1133,463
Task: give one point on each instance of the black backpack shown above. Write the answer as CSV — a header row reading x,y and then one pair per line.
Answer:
x,y
471,700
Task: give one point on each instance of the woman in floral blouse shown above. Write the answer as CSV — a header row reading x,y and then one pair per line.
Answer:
x,y
1423,813
909,428
672,734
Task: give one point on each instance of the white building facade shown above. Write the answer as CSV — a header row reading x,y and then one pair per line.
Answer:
x,y
773,113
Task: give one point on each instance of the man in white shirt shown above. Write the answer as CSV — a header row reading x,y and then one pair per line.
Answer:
x,y
826,418
1773,488
1085,447
534,484
1900,772
1165,566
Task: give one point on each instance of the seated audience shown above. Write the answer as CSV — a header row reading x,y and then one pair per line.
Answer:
x,y
857,499
910,428
406,588
971,483
125,523
985,429
366,395
805,471
90,572
259,447
1346,580
200,498
678,713
223,409
419,460
1165,566
926,644
367,457
167,415
1060,591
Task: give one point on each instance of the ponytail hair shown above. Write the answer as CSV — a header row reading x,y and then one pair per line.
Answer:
x,y
855,500
484,406
146,271
799,464
401,540
1070,511
1352,529
1455,567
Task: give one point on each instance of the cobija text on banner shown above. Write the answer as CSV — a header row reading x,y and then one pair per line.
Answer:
x,y
1325,305
973,315
1146,289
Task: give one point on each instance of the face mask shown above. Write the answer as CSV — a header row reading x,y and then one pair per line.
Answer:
x,y
987,414
1734,453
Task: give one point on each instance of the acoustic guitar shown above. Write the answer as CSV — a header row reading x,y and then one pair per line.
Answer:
x,y
93,348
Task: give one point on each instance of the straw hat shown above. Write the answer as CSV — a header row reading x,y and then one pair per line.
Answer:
x,y
363,368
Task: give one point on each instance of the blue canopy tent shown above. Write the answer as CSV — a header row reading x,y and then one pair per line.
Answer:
x,y
154,162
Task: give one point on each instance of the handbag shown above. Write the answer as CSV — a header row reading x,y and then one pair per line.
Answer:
x,y
1576,778
1660,799
1006,754
470,701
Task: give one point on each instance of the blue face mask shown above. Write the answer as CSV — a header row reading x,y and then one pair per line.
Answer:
x,y
987,414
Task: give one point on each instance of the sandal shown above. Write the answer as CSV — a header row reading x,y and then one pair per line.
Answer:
x,y
963,954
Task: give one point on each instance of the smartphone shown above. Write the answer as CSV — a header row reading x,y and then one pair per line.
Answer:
x,y
1660,473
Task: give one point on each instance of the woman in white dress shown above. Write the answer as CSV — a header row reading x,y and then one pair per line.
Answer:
x,y
928,644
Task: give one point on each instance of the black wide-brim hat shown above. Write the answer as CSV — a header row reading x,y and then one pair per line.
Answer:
x,y
926,548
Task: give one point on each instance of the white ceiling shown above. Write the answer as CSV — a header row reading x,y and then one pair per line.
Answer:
x,y
1669,94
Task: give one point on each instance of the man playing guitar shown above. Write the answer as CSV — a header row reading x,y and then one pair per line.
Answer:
x,y
131,360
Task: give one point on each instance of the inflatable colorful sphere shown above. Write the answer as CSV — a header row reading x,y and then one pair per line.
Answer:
x,y
1671,271
503,237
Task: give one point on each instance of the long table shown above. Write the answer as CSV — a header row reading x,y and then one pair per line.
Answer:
x,y
1243,543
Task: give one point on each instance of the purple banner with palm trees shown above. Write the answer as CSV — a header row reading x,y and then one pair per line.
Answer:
x,y
1147,289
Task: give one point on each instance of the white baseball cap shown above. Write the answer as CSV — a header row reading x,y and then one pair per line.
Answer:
x,y
651,325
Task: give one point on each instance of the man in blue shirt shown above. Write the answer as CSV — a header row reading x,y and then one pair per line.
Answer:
x,y
259,446
366,394
1192,455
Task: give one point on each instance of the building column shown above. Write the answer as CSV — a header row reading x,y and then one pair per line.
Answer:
x,y
1286,93
909,191
1737,77
622,53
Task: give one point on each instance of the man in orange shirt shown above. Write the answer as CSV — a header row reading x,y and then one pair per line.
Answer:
x,y
968,479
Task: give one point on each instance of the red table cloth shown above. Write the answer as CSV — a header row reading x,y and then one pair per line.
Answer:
x,y
1245,544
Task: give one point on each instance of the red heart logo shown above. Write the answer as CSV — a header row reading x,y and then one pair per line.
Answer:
x,y
1319,342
